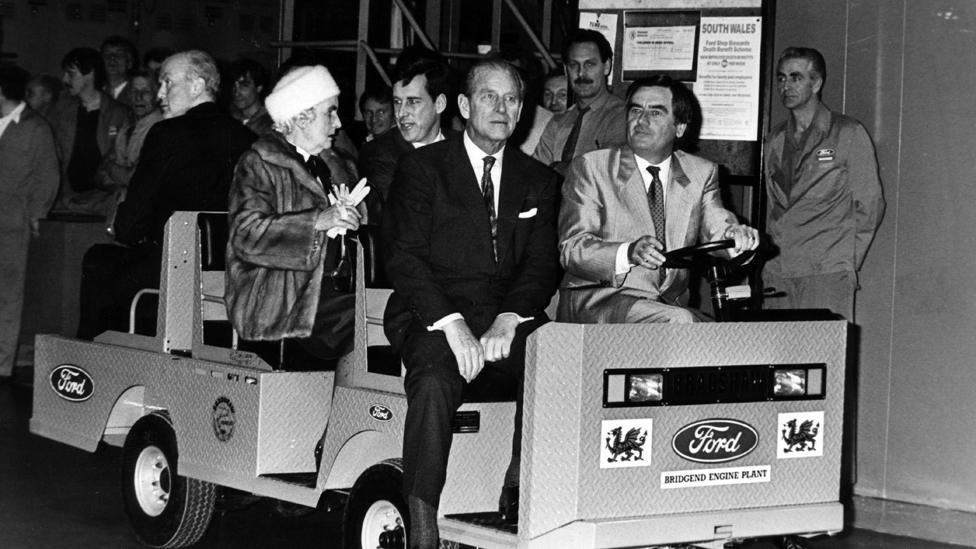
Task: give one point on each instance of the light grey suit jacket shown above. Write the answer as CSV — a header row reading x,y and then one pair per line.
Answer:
x,y
604,205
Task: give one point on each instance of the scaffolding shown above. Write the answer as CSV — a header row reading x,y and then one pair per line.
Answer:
x,y
430,32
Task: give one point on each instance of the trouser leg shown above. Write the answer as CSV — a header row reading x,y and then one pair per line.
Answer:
x,y
13,267
434,392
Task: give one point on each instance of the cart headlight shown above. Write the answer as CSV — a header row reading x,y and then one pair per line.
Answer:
x,y
798,382
645,387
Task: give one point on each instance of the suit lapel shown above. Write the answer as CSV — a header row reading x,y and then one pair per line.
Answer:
x,y
511,195
465,188
633,196
680,203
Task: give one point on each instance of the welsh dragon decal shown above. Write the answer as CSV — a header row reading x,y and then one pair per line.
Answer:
x,y
798,439
624,446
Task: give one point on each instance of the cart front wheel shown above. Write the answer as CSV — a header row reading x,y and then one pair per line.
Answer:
x,y
164,509
376,515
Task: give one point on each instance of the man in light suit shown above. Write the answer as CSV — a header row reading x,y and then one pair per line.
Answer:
x,y
624,207
28,184
470,228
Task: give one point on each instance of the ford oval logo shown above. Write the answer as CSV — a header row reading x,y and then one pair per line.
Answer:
x,y
715,440
72,383
380,412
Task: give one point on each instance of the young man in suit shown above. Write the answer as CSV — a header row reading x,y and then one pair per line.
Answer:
x,y
471,239
658,199
420,96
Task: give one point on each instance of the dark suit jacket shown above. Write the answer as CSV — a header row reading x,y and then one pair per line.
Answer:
x,y
438,241
186,163
378,162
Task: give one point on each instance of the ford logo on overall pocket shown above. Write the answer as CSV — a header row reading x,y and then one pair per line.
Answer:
x,y
380,412
72,383
715,440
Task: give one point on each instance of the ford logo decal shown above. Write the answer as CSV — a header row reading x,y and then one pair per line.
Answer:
x,y
715,440
72,383
380,412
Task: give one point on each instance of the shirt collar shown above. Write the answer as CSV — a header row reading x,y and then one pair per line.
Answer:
x,y
440,137
599,102
305,154
15,114
477,156
664,165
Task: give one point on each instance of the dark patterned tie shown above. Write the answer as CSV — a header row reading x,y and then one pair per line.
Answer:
x,y
570,147
655,199
488,193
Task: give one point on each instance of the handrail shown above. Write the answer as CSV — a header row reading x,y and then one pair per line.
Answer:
x,y
134,303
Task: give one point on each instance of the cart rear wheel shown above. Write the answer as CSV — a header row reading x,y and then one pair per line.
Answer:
x,y
164,509
794,542
376,515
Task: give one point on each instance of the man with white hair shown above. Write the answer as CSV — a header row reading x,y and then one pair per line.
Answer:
x,y
187,162
285,270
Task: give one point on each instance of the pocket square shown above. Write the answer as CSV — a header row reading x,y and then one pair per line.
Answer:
x,y
528,213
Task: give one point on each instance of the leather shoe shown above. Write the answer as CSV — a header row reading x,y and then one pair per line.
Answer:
x,y
508,504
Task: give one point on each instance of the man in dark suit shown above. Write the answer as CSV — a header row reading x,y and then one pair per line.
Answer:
x,y
186,163
419,97
473,266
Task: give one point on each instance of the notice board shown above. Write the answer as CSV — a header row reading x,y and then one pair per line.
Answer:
x,y
718,49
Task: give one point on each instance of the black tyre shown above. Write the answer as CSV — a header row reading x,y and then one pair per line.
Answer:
x,y
164,509
376,514
794,542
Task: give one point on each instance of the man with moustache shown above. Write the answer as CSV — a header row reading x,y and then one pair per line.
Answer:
x,y
825,200
470,234
419,97
85,124
658,199
186,163
598,118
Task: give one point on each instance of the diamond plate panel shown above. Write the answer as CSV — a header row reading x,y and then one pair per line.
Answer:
x,y
580,358
350,417
552,408
295,410
476,468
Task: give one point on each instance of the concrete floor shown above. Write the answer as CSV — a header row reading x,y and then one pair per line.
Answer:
x,y
56,497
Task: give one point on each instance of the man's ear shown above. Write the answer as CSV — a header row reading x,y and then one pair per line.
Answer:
x,y
608,67
464,106
440,103
679,130
197,86
817,85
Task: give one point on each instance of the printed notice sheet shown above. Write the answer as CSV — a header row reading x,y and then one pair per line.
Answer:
x,y
659,48
728,77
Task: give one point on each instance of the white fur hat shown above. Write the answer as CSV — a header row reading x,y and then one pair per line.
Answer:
x,y
298,90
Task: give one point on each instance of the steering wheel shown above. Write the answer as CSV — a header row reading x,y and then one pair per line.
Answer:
x,y
684,258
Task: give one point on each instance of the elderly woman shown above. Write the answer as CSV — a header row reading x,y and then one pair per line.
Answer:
x,y
285,250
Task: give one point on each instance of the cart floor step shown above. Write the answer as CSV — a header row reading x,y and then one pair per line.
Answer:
x,y
491,520
299,479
